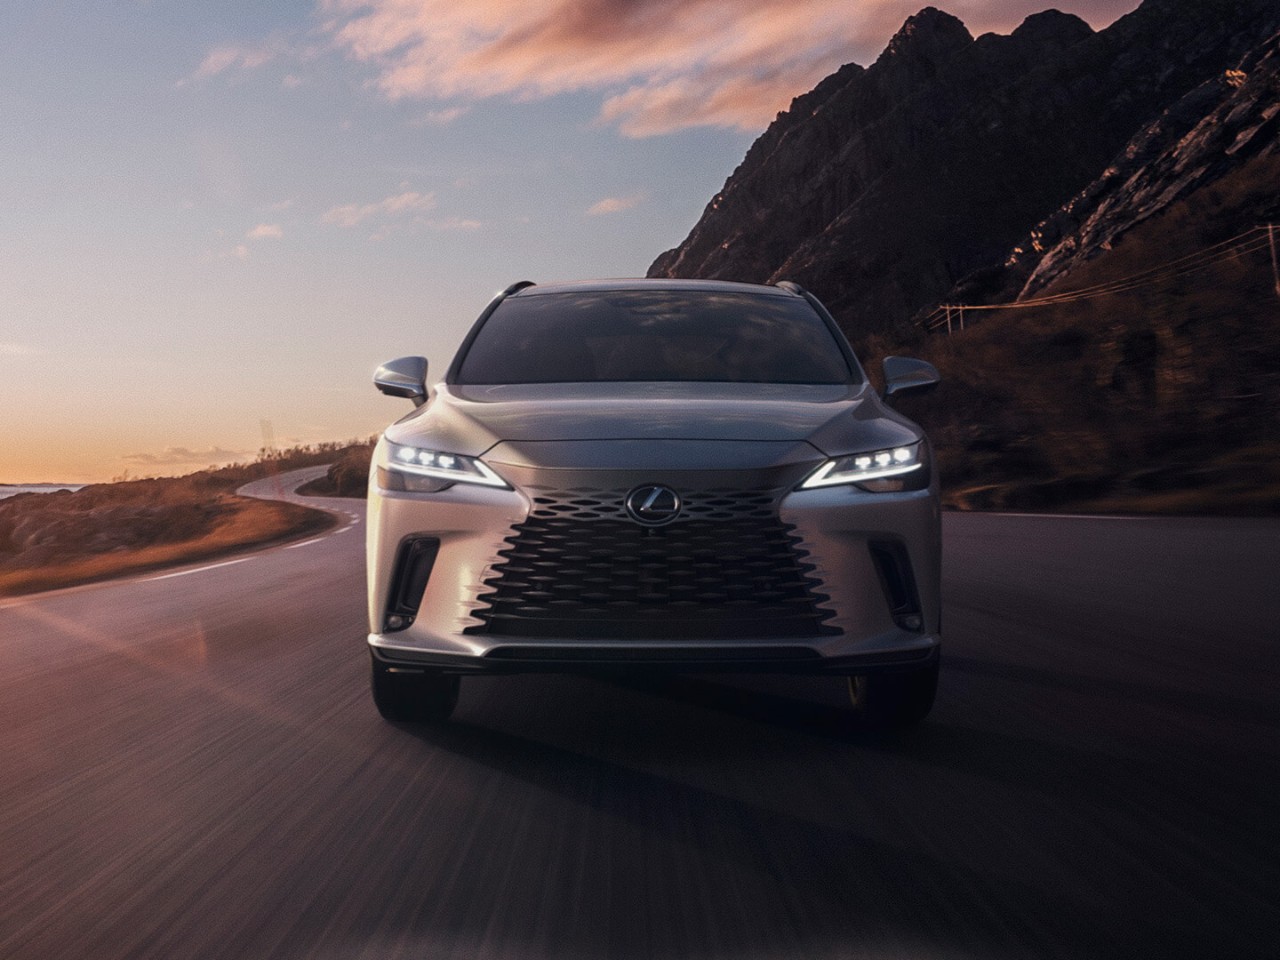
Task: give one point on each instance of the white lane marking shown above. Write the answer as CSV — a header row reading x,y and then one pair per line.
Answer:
x,y
304,543
212,566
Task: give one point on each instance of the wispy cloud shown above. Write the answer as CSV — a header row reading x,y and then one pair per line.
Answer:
x,y
455,223
408,203
17,350
442,118
236,56
613,205
266,231
660,64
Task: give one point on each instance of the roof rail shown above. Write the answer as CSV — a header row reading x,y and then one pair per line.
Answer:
x,y
792,287
475,327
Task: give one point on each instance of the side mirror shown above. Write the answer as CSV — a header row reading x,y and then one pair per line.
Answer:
x,y
405,377
908,375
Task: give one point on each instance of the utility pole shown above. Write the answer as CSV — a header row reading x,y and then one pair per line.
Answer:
x,y
269,462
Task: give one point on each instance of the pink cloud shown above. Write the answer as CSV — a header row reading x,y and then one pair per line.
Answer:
x,y
442,118
659,64
613,205
351,214
224,58
455,223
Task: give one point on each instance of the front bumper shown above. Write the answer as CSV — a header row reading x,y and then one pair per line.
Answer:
x,y
854,622
668,657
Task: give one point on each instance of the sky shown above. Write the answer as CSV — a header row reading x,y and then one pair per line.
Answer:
x,y
217,218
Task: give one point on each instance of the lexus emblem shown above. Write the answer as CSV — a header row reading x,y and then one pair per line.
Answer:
x,y
652,505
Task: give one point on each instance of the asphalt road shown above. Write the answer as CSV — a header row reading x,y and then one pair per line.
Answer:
x,y
190,767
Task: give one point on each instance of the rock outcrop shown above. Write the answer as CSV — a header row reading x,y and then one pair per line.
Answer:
x,y
884,187
1214,130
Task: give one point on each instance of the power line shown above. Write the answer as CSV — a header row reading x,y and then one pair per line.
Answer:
x,y
1228,249
952,315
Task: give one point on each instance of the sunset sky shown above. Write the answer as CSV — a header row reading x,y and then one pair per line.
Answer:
x,y
215,214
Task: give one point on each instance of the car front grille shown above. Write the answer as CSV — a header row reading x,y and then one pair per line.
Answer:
x,y
726,569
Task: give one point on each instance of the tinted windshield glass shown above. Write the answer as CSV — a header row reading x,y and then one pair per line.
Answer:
x,y
667,335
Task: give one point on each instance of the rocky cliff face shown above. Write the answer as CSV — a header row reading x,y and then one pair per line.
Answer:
x,y
1207,135
884,187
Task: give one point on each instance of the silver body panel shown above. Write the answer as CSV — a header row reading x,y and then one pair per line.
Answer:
x,y
558,572
549,438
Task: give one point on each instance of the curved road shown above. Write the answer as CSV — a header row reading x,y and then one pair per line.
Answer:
x,y
190,767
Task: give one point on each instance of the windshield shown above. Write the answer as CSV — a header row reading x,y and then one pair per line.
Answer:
x,y
654,335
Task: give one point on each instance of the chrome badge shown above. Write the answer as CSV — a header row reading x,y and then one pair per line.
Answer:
x,y
652,505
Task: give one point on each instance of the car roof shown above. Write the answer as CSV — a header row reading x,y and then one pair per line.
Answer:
x,y
599,286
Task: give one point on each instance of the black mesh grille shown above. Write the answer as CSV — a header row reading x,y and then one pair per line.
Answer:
x,y
727,568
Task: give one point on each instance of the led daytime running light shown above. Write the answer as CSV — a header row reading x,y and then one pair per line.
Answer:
x,y
861,467
443,466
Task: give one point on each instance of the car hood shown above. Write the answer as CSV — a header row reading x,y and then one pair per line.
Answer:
x,y
834,419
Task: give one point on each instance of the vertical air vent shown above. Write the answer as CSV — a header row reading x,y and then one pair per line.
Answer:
x,y
414,561
899,583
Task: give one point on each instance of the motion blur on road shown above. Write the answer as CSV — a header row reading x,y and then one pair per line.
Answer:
x,y
190,766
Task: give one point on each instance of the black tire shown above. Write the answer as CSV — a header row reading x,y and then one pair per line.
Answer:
x,y
414,697
892,700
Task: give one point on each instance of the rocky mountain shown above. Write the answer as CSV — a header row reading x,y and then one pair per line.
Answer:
x,y
998,163
1204,139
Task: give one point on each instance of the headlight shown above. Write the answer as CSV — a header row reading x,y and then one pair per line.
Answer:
x,y
428,471
880,471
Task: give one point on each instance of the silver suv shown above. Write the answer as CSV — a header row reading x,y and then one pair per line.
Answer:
x,y
653,474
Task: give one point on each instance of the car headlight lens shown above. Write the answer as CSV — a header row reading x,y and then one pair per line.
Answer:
x,y
880,471
427,471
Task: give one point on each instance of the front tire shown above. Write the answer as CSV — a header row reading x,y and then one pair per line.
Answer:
x,y
893,700
414,696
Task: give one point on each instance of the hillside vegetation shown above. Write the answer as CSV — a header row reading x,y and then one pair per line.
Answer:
x,y
105,530
1163,398
347,476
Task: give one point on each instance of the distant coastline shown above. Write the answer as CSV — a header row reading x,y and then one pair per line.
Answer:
x,y
13,489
